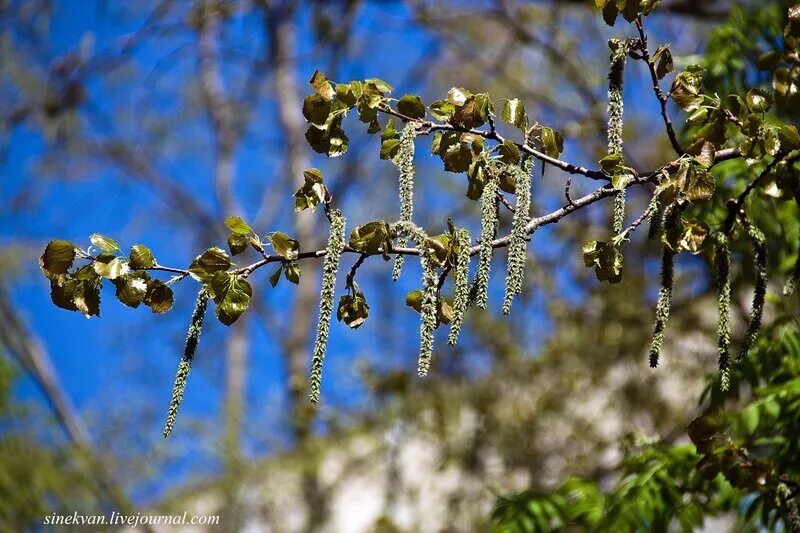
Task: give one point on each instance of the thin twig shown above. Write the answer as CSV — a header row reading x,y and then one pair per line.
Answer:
x,y
662,98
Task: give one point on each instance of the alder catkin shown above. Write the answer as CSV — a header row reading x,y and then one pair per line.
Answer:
x,y
430,296
663,306
723,261
670,216
404,161
656,218
461,283
185,365
791,283
619,54
517,253
760,292
489,222
330,266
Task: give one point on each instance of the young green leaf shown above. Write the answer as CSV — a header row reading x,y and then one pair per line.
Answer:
x,y
237,243
103,243
411,106
514,113
159,296
57,258
237,225
285,246
232,295
141,257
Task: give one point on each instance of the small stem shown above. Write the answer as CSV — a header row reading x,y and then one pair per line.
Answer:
x,y
662,98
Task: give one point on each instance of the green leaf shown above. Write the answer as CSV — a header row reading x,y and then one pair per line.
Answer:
x,y
87,298
414,300
292,273
702,152
442,109
476,178
372,238
348,93
141,257
57,258
686,88
316,109
103,243
132,288
552,141
411,106
332,141
379,84
389,148
509,152
610,12
455,154
444,311
606,259
237,243
621,180
285,246
209,263
473,113
662,57
612,164
62,293
321,85
699,184
789,137
750,418
159,296
514,113
353,309
237,225
110,266
686,236
390,140
759,100
275,277
458,96
701,431
312,193
232,295
440,246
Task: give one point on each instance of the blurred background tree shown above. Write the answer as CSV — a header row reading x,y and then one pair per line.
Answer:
x,y
155,121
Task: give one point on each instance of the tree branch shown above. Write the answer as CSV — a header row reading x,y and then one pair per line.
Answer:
x,y
662,98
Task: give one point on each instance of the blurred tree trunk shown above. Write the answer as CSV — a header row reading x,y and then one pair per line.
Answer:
x,y
279,22
30,353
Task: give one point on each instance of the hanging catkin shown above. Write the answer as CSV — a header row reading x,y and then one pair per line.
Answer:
x,y
185,366
330,267
656,218
671,217
791,283
517,245
489,221
663,306
461,283
430,297
760,292
404,161
619,54
723,260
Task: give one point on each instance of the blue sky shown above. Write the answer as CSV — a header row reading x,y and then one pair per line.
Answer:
x,y
129,356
